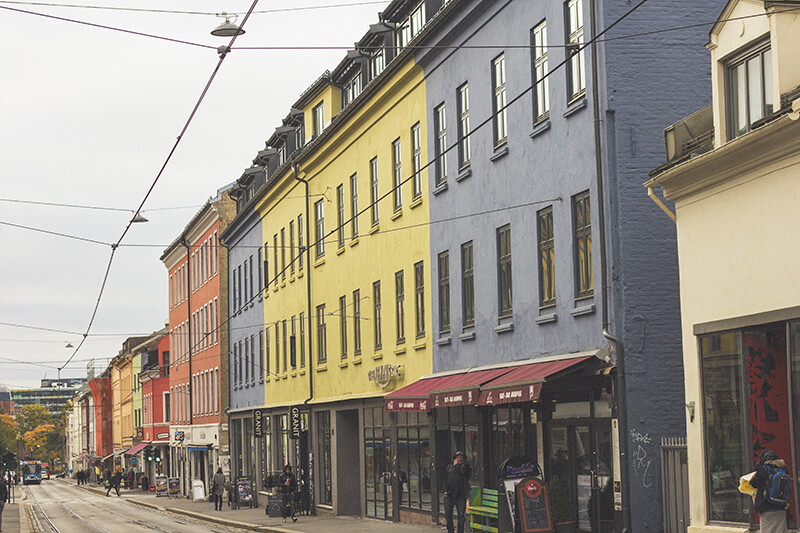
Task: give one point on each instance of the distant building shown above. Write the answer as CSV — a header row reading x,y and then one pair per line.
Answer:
x,y
6,403
53,394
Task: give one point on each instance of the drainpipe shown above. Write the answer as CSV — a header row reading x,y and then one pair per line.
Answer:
x,y
621,392
307,473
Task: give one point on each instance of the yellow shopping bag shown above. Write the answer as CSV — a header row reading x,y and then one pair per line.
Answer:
x,y
745,487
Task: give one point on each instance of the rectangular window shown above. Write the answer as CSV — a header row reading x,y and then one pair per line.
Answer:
x,y
293,346
373,177
444,292
352,87
440,146
241,286
246,361
376,63
354,205
275,257
499,116
749,79
340,214
278,348
356,322
302,323
547,265
292,252
266,265
260,271
397,175
504,270
250,296
576,78
467,285
540,94
318,119
235,299
300,249
322,355
343,324
376,314
245,286
419,300
283,253
285,348
416,161
319,227
260,356
266,360
582,221
464,152
400,313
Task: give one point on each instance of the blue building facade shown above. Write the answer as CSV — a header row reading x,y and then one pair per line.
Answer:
x,y
546,252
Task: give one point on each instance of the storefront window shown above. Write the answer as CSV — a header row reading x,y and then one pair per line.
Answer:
x,y
456,429
413,460
248,467
266,449
325,471
746,408
282,454
378,462
237,446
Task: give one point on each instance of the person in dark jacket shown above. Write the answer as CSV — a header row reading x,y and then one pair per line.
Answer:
x,y
218,488
772,516
288,485
456,491
115,481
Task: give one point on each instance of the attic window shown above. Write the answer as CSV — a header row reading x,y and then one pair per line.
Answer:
x,y
411,26
749,89
318,119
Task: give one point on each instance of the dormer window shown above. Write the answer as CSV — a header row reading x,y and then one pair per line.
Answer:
x,y
318,119
749,84
352,87
377,61
281,154
411,26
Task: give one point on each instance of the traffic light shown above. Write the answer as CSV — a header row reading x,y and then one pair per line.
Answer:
x,y
149,453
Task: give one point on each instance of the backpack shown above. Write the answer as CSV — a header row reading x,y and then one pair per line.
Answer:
x,y
778,489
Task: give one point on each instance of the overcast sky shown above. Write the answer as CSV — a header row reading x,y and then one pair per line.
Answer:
x,y
88,117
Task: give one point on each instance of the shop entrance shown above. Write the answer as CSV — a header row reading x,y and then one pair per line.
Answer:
x,y
581,479
378,451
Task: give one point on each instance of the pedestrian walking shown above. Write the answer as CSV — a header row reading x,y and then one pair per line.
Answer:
x,y
456,490
114,483
217,489
773,492
288,485
3,498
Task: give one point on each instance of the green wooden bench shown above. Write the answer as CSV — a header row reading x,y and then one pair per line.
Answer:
x,y
483,509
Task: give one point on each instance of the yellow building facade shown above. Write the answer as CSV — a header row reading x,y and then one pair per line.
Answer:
x,y
347,303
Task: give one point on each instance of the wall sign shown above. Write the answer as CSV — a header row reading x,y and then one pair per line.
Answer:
x,y
294,422
382,375
179,436
258,426
162,436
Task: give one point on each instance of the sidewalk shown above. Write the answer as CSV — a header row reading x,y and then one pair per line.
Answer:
x,y
257,520
11,516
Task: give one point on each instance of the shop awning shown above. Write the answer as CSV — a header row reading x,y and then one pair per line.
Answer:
x,y
197,447
109,456
464,388
136,449
414,397
524,383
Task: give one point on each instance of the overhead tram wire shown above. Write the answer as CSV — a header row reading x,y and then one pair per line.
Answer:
x,y
153,185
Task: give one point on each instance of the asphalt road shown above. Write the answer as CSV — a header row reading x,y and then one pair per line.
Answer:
x,y
61,508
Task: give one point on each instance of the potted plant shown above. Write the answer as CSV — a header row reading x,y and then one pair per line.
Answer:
x,y
562,510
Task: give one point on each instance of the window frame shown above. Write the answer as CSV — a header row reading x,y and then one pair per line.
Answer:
x,y
540,69
397,174
354,206
318,119
322,352
343,325
400,311
356,322
763,51
419,298
545,244
440,143
576,64
499,101
463,131
416,161
467,285
582,234
376,314
319,228
443,265
374,194
505,286
340,214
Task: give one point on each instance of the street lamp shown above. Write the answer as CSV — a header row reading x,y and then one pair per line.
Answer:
x,y
227,28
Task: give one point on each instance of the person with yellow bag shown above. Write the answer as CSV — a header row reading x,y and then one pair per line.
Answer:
x,y
771,488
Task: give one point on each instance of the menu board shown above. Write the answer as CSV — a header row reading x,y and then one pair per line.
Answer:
x,y
244,490
533,506
174,486
161,485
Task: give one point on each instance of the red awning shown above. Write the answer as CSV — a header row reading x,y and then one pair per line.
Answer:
x,y
136,449
464,389
413,397
523,383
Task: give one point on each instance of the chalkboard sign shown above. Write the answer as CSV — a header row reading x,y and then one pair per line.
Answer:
x,y
161,485
244,491
275,506
174,486
533,506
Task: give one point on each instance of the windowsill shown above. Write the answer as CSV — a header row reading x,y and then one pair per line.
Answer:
x,y
284,376
575,105
283,283
397,214
291,279
548,318
322,367
540,127
340,250
299,273
375,228
467,336
499,152
377,355
439,189
293,373
416,203
400,351
464,174
343,364
583,310
354,241
260,298
261,380
504,328
443,341
319,262
420,344
302,372
356,360
267,379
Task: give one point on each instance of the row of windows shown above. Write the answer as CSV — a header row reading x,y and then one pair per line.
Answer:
x,y
203,263
205,400
584,285
205,332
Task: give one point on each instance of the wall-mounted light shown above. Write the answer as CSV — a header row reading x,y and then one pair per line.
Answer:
x,y
690,409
